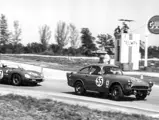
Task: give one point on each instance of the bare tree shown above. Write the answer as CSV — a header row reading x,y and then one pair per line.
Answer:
x,y
61,34
4,33
45,35
73,36
16,34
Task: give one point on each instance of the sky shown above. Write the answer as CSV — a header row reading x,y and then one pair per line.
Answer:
x,y
100,16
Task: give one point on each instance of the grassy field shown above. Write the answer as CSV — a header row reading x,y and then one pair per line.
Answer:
x,y
64,63
14,107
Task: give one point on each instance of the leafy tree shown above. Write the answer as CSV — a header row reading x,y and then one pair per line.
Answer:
x,y
16,34
54,48
61,34
45,35
87,41
34,48
4,33
106,42
74,36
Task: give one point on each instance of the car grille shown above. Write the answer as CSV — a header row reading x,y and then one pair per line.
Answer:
x,y
39,80
139,87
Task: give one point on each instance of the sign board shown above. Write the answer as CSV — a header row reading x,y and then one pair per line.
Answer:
x,y
153,25
129,40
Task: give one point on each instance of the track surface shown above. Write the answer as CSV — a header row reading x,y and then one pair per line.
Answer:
x,y
59,85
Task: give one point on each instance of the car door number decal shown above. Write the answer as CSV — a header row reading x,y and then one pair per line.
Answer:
x,y
99,81
1,74
107,83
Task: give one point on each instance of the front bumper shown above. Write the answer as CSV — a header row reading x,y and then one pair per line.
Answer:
x,y
133,90
34,80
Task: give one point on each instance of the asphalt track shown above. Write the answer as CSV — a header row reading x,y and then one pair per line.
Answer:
x,y
56,84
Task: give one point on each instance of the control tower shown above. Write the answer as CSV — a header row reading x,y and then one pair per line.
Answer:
x,y
127,47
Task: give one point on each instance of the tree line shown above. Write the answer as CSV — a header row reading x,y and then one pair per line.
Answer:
x,y
69,41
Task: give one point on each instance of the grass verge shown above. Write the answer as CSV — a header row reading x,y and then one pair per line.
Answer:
x,y
14,107
64,63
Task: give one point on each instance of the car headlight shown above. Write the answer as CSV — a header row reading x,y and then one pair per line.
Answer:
x,y
27,76
129,82
151,84
7,71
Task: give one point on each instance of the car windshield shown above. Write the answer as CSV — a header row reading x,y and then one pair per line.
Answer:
x,y
112,70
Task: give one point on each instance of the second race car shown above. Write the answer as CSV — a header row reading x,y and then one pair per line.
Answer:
x,y
16,75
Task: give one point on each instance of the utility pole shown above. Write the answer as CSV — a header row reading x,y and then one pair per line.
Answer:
x,y
146,46
146,50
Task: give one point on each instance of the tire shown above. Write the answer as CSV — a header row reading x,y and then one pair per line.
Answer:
x,y
16,79
116,92
141,95
79,88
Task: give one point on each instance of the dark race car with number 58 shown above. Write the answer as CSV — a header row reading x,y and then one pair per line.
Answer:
x,y
16,75
108,80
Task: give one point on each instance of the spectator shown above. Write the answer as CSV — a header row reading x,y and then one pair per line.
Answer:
x,y
107,58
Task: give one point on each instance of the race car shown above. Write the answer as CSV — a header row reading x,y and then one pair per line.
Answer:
x,y
16,75
108,80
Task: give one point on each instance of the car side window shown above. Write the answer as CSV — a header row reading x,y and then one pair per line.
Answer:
x,y
107,70
84,70
112,70
95,70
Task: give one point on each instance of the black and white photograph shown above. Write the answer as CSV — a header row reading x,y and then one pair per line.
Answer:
x,y
79,60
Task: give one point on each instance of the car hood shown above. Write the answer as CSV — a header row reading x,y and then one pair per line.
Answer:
x,y
135,81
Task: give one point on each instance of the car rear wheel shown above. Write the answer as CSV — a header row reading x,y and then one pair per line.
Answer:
x,y
141,95
16,79
79,88
116,92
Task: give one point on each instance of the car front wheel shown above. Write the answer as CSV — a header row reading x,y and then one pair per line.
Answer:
x,y
16,79
116,92
79,88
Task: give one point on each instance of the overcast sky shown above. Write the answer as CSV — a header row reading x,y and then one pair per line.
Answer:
x,y
100,16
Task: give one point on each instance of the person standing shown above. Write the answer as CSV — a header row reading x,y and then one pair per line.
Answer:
x,y
107,58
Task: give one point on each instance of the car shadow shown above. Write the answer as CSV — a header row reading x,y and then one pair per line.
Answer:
x,y
97,95
30,85
23,85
